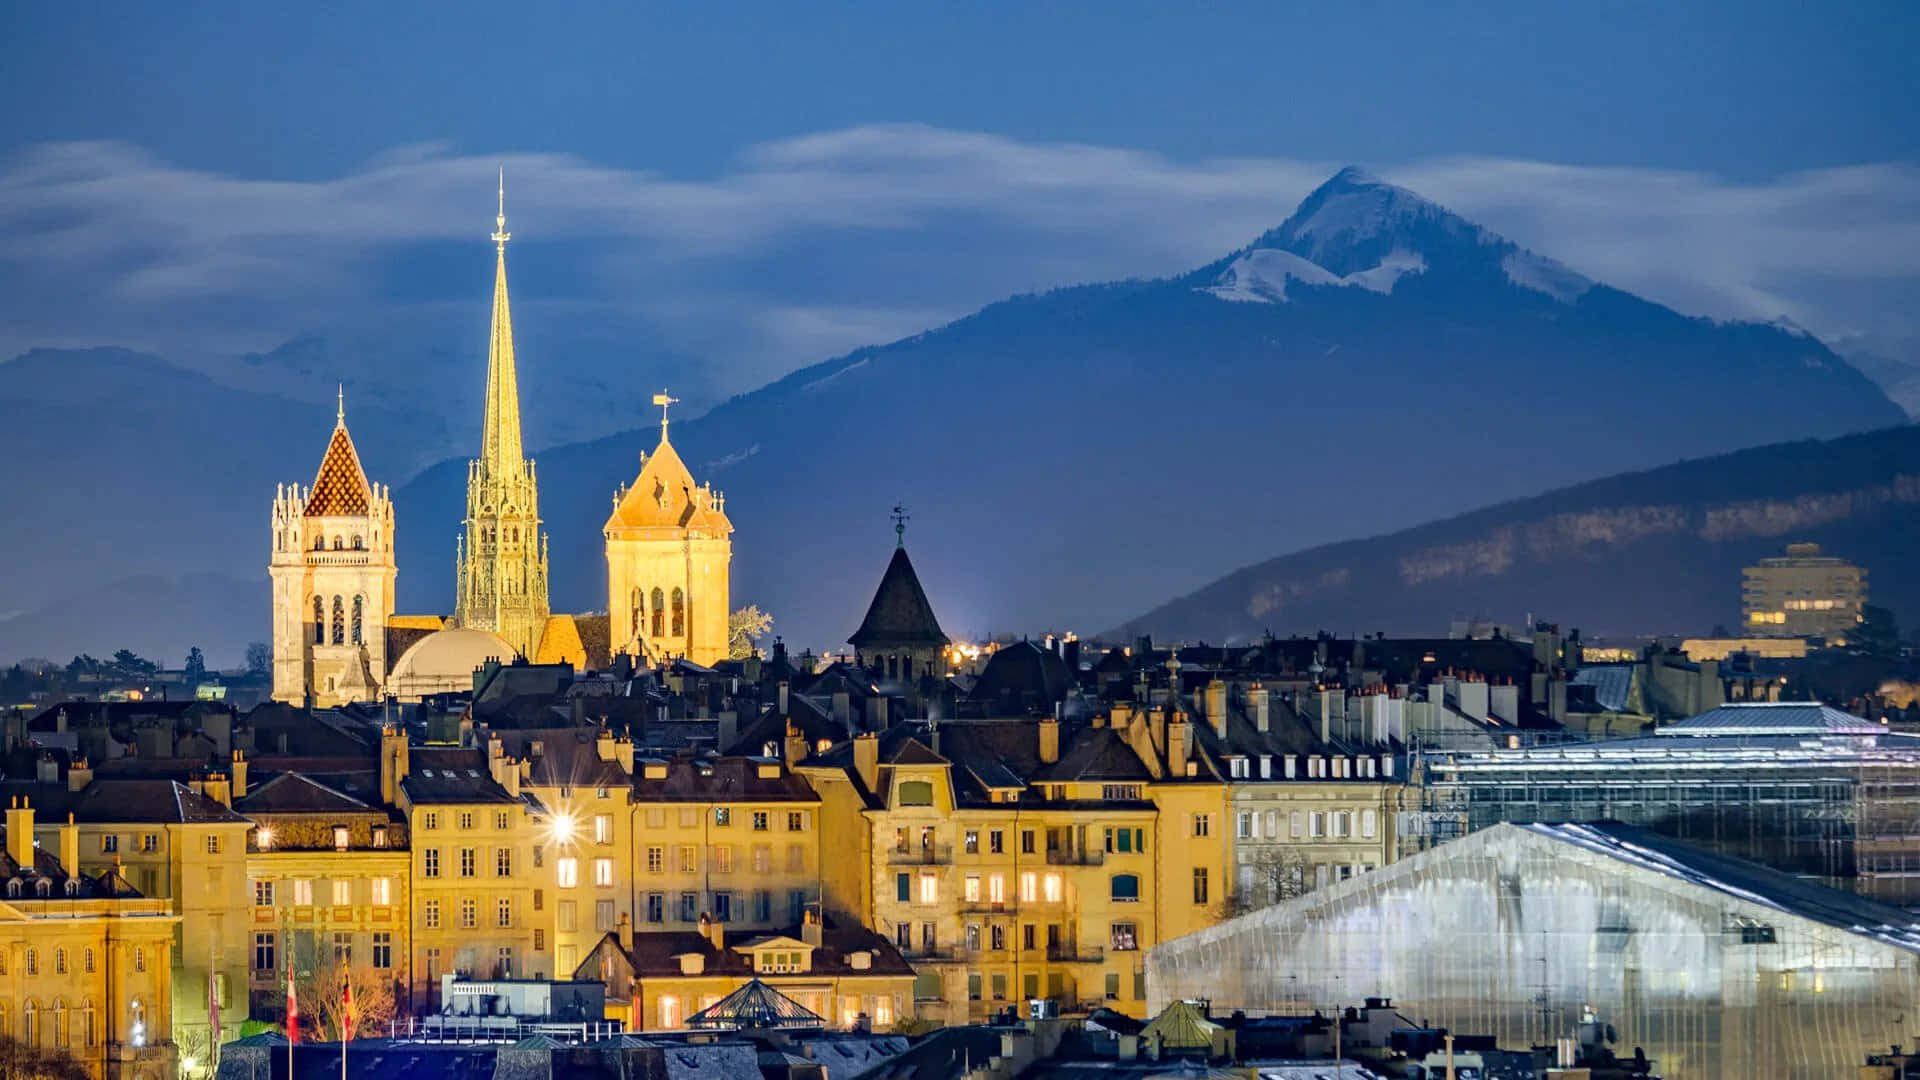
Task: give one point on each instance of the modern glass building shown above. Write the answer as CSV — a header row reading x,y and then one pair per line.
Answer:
x,y
1717,967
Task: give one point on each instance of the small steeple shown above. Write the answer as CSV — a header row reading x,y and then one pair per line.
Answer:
x,y
500,233
664,401
340,411
899,526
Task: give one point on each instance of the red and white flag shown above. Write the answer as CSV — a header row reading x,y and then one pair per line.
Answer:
x,y
293,1003
346,1010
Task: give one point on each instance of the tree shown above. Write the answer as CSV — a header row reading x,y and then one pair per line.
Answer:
x,y
1879,633
1280,872
259,658
320,1005
18,1061
745,628
196,666
127,662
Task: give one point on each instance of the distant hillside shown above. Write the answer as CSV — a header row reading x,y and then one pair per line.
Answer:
x,y
1645,552
1070,458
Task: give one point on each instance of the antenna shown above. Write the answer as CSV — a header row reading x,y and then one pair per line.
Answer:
x,y
900,518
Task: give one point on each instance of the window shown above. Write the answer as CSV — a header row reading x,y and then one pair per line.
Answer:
x,y
342,837
656,907
1113,981
1026,841
689,859
997,888
915,793
796,905
796,820
262,892
33,961
660,630
762,859
669,1005
689,907
319,608
431,914
1123,937
1120,792
503,862
903,887
339,614
109,843
1125,888
929,889
762,905
431,820
722,859
466,819
380,891
1199,884
603,828
679,613
1051,890
59,961
1342,823
762,821
973,986
430,862
1203,824
469,914
656,859
603,915
383,949
503,962
86,961
1237,767
359,608
970,841
504,912
1243,825
723,906
996,842
1029,887
213,845
973,937
1369,824
342,892
603,872
997,937
302,892
502,821
971,890
343,949
568,915
150,843
796,858
1296,824
467,862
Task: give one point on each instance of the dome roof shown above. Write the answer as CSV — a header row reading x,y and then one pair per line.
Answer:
x,y
450,655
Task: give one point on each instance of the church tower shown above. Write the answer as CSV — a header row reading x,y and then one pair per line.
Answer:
x,y
502,558
669,557
332,571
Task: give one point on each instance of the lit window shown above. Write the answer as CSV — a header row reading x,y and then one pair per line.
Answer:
x,y
603,828
342,892
342,836
302,892
1053,892
568,872
603,872
929,889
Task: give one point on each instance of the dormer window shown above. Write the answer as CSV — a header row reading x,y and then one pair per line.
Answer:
x,y
1238,767
914,793
342,836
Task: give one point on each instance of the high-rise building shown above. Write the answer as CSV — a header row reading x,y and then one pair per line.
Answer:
x,y
1803,594
333,571
502,558
669,555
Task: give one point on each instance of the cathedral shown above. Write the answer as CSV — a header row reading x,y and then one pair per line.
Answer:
x,y
335,635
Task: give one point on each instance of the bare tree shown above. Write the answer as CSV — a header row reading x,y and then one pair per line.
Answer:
x,y
1280,872
18,1061
321,1005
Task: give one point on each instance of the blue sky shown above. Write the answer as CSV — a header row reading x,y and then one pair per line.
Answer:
x,y
752,187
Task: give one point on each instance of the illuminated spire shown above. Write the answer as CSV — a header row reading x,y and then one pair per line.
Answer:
x,y
661,399
500,448
340,413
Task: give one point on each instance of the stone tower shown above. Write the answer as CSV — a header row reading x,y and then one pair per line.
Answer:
x,y
669,557
332,571
502,558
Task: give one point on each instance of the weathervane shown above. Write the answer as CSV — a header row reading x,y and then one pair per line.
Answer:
x,y
664,401
500,233
899,526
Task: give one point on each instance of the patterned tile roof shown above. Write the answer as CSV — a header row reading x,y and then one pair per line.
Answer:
x,y
340,487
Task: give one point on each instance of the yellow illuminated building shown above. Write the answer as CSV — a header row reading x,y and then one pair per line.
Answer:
x,y
669,555
1803,594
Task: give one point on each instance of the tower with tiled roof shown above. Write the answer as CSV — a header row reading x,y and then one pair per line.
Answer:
x,y
333,570
501,559
900,640
669,560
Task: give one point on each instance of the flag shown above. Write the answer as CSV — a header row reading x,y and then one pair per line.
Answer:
x,y
346,1008
293,1001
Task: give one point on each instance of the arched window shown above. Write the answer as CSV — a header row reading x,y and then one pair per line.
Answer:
x,y
86,961
319,621
636,610
6,1029
659,614
137,1018
915,793
89,1029
30,1023
13,887
59,961
358,544
1126,888
60,1031
33,961
319,543
339,544
73,886
339,621
359,612
139,962
679,613
43,888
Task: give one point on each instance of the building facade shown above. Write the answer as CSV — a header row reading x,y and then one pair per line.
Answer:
x,y
1803,594
332,571
501,583
669,561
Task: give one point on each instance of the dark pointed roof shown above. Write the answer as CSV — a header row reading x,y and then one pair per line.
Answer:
x,y
900,614
756,1005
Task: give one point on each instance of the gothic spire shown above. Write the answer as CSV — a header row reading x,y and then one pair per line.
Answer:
x,y
500,448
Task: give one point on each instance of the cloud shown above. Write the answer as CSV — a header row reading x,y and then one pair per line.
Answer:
x,y
808,246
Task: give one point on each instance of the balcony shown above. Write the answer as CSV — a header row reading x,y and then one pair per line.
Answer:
x,y
1075,954
937,855
988,907
1076,858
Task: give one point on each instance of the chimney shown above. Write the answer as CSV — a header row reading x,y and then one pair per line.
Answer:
x,y
877,713
784,690
20,832
1216,703
794,745
218,789
1258,705
393,763
602,744
1330,706
79,774
623,754
727,729
1177,735
1504,701
239,775
811,931
46,769
714,931
1049,740
843,710
1472,694
70,847
866,761
626,934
